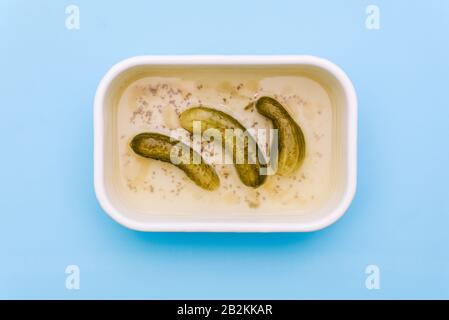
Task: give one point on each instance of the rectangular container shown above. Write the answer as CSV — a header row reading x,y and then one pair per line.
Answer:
x,y
344,103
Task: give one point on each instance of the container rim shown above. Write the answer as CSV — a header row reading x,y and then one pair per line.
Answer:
x,y
191,60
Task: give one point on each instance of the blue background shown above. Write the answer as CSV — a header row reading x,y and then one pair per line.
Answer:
x,y
50,218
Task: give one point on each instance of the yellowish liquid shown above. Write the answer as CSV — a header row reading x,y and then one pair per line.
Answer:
x,y
152,103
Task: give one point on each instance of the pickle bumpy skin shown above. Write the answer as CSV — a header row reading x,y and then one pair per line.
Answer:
x,y
291,144
159,147
249,173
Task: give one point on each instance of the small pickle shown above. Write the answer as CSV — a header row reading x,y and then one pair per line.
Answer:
x,y
249,173
291,144
159,147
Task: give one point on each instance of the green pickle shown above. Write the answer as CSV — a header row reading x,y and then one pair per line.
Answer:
x,y
159,147
250,174
291,143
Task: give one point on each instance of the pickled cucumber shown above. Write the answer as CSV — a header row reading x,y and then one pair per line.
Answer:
x,y
291,144
249,173
159,147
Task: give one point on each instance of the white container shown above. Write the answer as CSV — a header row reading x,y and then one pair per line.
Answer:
x,y
344,101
